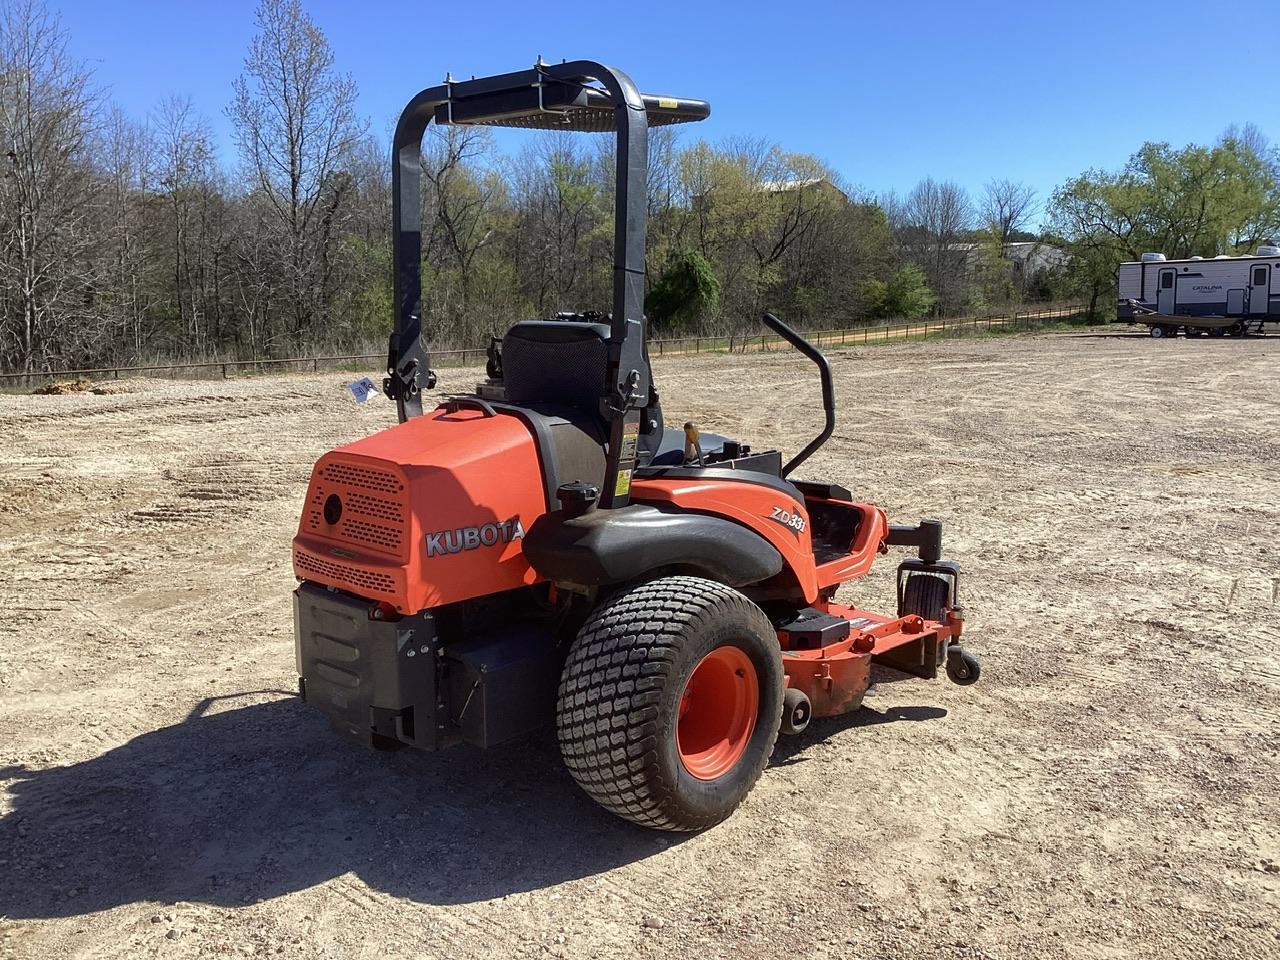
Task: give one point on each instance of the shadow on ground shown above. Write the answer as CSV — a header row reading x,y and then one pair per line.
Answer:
x,y
240,803
876,709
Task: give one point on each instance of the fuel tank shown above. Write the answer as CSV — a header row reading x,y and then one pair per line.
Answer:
x,y
428,512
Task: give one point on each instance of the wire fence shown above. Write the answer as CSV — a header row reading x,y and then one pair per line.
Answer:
x,y
1017,320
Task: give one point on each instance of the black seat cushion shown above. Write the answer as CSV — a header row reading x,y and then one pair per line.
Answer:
x,y
563,364
555,361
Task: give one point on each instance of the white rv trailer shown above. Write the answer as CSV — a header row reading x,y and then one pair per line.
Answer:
x,y
1222,295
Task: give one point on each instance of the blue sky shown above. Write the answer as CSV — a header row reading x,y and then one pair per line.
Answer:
x,y
887,92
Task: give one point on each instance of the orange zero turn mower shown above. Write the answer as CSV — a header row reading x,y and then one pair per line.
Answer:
x,y
546,547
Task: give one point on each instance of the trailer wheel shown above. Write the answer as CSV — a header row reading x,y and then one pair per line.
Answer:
x,y
1159,330
927,595
670,703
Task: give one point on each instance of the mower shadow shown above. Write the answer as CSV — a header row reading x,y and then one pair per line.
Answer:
x,y
243,803
251,802
790,750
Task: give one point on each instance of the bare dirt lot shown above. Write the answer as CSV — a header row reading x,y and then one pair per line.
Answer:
x,y
1110,789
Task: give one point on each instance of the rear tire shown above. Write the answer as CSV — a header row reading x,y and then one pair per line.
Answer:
x,y
631,727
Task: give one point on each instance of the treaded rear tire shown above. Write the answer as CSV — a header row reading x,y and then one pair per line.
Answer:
x,y
620,699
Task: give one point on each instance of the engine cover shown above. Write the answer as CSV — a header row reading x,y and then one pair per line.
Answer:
x,y
429,512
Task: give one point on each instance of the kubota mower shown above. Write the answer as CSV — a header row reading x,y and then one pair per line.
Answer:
x,y
546,548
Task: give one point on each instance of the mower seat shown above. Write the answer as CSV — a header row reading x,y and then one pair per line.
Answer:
x,y
561,362
559,366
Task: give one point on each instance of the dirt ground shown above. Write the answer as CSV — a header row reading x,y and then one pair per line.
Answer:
x,y
1110,789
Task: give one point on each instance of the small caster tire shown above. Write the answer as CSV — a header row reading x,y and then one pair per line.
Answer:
x,y
797,711
963,667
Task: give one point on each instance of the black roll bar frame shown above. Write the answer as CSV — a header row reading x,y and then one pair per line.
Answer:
x,y
548,96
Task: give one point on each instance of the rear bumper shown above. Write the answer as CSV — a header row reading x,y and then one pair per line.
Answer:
x,y
375,680
393,682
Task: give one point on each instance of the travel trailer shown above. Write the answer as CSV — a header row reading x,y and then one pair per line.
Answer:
x,y
1221,296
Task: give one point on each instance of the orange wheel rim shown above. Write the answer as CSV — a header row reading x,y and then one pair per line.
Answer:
x,y
717,713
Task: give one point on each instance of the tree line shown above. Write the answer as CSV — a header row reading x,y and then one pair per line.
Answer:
x,y
124,239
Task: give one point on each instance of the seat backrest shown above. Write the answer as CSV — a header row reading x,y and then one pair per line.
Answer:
x,y
555,362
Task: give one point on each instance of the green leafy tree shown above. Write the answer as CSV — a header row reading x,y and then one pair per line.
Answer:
x,y
906,294
686,291
1197,201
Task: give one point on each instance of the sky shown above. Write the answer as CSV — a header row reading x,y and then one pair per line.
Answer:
x,y
886,93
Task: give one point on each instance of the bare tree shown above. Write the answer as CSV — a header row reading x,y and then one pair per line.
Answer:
x,y
937,214
1250,137
46,116
119,255
1006,208
561,205
295,123
460,197
186,165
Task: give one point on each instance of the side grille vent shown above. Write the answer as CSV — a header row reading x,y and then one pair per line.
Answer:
x,y
367,478
372,534
374,513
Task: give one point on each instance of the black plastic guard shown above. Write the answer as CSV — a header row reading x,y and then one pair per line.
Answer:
x,y
501,686
616,546
919,658
373,679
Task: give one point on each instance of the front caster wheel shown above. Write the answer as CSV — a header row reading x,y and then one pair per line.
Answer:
x,y
962,666
797,711
670,702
